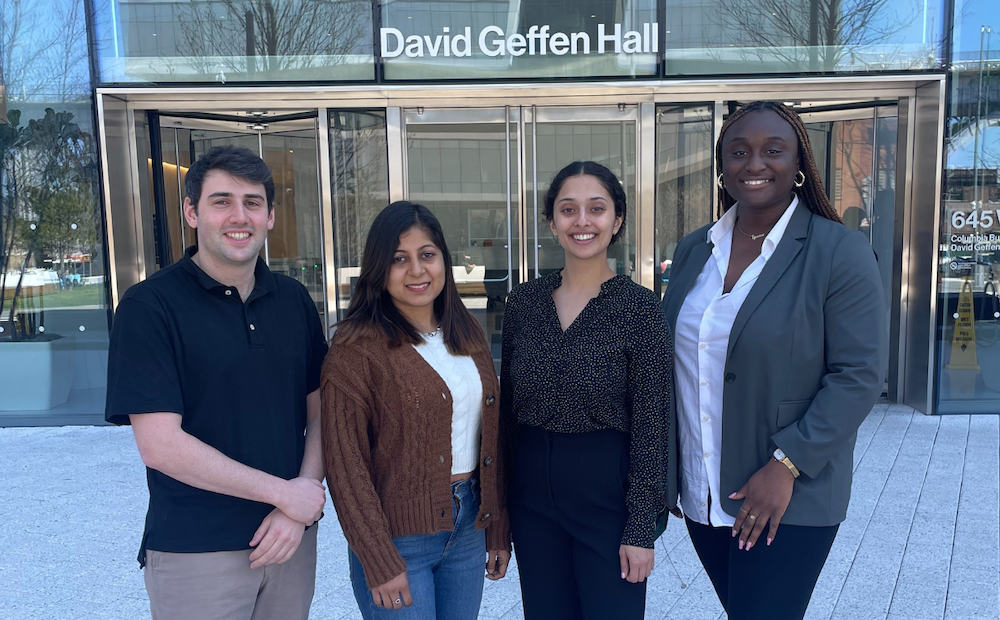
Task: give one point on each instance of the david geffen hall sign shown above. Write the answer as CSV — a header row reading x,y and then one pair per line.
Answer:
x,y
493,41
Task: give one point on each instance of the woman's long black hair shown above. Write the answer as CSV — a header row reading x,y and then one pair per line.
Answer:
x,y
372,312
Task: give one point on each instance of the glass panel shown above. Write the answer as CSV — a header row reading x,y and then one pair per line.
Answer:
x,y
53,303
684,183
360,184
224,41
882,233
767,36
294,245
607,142
459,171
857,159
968,353
976,34
523,38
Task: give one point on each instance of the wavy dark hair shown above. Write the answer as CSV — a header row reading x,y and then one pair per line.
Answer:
x,y
811,193
599,172
372,312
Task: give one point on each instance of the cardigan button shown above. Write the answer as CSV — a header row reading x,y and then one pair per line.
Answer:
x,y
486,516
487,461
490,400
730,377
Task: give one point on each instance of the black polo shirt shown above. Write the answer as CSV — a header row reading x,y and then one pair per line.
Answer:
x,y
238,374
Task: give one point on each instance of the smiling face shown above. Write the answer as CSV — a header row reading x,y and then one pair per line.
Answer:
x,y
760,159
583,217
417,275
231,220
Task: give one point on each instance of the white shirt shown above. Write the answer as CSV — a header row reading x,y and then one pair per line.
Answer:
x,y
461,376
701,340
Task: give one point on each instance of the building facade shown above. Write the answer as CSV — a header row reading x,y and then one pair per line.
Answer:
x,y
470,107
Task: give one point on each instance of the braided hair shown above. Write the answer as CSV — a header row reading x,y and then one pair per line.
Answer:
x,y
811,192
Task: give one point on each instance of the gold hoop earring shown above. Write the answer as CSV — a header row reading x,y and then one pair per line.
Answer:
x,y
719,182
799,183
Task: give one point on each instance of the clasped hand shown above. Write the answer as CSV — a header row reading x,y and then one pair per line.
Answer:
x,y
765,498
280,533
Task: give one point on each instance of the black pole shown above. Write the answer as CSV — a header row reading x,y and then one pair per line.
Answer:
x,y
251,54
161,227
813,35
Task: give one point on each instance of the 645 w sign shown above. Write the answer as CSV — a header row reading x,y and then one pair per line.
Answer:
x,y
976,219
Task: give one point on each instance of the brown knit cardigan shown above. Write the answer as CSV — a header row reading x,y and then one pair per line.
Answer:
x,y
387,451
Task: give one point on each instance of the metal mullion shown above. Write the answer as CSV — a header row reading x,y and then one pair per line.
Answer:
x,y
180,189
395,138
260,153
534,180
646,195
330,299
522,207
111,276
873,184
510,240
162,230
623,148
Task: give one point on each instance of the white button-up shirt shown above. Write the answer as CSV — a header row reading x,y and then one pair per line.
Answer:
x,y
701,339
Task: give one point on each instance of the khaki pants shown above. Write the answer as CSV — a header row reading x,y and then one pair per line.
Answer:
x,y
221,585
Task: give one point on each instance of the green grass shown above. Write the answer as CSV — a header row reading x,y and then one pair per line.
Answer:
x,y
73,297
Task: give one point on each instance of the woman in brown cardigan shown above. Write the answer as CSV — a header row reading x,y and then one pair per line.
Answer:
x,y
410,431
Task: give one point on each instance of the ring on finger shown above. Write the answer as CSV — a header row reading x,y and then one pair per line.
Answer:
x,y
752,517
742,509
398,601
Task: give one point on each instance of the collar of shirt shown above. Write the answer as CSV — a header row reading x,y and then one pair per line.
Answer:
x,y
263,278
554,281
720,234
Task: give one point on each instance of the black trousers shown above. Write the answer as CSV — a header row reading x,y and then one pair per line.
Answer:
x,y
566,500
768,582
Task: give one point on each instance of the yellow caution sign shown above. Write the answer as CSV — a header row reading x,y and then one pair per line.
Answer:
x,y
963,342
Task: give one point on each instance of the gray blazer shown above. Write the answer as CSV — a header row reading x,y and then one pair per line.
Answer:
x,y
804,365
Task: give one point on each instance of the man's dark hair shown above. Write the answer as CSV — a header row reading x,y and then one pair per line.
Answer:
x,y
236,160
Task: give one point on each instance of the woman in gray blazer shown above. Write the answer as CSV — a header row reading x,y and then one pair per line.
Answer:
x,y
776,313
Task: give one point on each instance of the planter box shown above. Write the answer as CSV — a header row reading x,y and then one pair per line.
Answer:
x,y
35,376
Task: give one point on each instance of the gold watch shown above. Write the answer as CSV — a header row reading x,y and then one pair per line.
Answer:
x,y
781,458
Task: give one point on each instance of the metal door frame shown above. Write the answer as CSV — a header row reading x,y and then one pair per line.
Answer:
x,y
920,99
526,119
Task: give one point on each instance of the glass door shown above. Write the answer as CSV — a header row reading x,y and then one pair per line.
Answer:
x,y
286,142
484,173
557,136
855,150
464,166
685,180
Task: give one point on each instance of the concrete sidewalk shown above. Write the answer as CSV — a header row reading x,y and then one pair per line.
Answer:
x,y
922,538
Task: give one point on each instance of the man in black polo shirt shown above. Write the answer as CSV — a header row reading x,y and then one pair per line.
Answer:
x,y
215,363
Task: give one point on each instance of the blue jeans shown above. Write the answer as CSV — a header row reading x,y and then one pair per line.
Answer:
x,y
445,570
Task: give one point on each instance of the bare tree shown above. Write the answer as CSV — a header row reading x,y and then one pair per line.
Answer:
x,y
245,36
820,32
43,53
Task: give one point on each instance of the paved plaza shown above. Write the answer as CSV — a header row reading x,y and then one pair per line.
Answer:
x,y
921,541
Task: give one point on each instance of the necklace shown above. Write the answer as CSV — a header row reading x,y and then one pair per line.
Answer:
x,y
436,331
753,237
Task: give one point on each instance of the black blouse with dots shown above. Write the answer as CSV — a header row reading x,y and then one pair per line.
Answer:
x,y
611,369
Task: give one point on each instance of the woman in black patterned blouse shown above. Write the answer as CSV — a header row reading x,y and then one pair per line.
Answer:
x,y
586,358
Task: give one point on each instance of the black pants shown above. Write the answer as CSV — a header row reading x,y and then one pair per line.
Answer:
x,y
768,582
567,512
